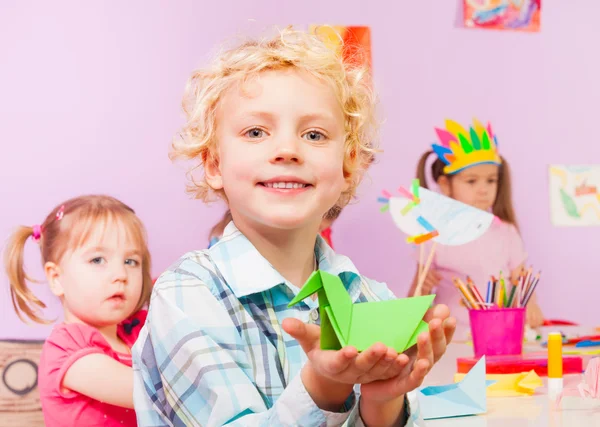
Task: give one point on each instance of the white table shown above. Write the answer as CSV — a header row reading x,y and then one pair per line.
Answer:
x,y
524,411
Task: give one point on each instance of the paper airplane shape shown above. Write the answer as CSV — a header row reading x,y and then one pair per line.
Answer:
x,y
590,386
396,323
467,397
424,215
507,385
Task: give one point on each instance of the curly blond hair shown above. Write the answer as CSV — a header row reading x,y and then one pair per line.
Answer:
x,y
289,49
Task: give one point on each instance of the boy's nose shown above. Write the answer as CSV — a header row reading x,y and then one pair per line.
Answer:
x,y
287,151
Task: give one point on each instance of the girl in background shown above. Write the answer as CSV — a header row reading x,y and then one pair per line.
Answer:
x,y
96,261
469,169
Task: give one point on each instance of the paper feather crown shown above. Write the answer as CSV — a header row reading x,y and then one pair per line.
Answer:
x,y
460,149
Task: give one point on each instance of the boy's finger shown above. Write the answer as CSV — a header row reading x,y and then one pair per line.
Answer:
x,y
416,377
335,362
366,360
424,346
308,336
449,329
438,339
397,366
382,368
440,311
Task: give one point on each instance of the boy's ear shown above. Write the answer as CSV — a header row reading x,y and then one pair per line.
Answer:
x,y
212,171
52,272
444,184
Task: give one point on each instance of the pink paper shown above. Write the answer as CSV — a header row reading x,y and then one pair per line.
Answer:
x,y
590,386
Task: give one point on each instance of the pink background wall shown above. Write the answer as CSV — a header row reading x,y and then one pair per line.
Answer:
x,y
90,97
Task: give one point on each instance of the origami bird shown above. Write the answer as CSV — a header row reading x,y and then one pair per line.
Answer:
x,y
396,323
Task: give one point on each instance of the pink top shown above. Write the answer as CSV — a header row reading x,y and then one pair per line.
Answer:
x,y
499,249
66,344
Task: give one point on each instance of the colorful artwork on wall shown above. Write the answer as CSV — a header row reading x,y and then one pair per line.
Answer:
x,y
575,195
515,15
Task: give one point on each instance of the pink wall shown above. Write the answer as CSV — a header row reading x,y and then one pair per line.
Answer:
x,y
91,93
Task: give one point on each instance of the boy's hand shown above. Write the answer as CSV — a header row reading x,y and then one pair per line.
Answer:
x,y
346,366
329,375
430,348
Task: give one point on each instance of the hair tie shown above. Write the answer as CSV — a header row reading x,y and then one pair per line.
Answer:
x,y
60,213
37,232
429,181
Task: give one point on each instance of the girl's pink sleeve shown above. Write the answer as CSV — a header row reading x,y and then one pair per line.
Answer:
x,y
517,254
67,344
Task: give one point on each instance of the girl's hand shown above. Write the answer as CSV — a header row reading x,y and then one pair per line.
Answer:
x,y
431,281
534,316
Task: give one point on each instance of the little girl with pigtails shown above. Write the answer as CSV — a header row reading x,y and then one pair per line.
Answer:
x,y
96,261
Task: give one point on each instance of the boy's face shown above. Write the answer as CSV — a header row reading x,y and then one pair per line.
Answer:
x,y
280,142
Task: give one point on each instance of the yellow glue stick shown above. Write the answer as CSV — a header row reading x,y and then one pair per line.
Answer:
x,y
555,365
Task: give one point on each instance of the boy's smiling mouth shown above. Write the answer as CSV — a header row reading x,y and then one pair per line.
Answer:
x,y
285,183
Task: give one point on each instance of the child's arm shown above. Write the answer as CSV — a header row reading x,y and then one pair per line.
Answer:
x,y
102,378
192,366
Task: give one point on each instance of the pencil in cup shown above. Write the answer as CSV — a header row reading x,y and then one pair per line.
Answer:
x,y
475,292
473,299
531,289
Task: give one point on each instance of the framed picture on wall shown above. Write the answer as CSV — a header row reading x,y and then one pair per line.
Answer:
x,y
574,195
515,15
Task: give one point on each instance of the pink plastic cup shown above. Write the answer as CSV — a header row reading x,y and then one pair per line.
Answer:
x,y
497,331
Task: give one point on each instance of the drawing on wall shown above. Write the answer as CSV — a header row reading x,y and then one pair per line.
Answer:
x,y
515,15
356,41
575,195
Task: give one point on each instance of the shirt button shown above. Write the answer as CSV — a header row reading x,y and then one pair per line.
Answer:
x,y
314,314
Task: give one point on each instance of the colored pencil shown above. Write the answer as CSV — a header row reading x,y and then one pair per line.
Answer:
x,y
467,293
526,282
512,295
531,289
476,293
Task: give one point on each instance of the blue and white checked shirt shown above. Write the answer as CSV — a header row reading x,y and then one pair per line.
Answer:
x,y
213,353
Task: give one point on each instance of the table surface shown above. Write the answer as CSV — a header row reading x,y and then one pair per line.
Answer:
x,y
523,411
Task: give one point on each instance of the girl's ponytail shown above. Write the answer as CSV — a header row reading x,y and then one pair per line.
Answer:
x,y
437,169
23,299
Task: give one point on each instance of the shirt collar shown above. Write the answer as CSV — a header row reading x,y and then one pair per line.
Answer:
x,y
247,272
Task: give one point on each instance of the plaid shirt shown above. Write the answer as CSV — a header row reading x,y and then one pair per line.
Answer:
x,y
212,351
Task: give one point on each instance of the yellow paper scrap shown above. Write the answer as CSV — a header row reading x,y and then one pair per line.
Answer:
x,y
523,384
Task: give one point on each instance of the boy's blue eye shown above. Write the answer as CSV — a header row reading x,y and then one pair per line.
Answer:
x,y
255,133
313,136
97,260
